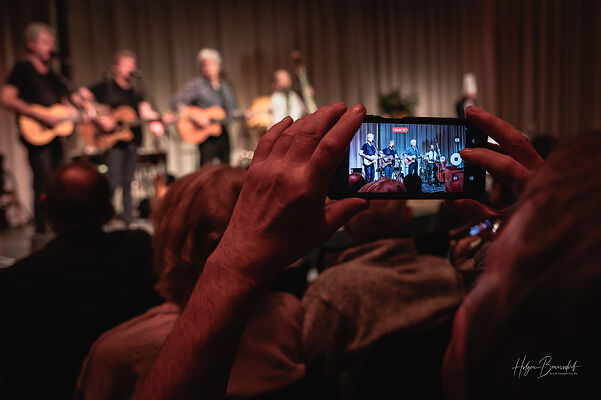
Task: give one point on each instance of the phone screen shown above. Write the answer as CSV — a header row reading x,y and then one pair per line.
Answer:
x,y
410,158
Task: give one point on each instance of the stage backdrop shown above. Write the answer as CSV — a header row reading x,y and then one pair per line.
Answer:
x,y
537,62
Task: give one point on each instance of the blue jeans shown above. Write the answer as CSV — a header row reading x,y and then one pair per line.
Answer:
x,y
369,173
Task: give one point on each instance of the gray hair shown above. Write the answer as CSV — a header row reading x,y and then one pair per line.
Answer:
x,y
33,30
208,54
123,53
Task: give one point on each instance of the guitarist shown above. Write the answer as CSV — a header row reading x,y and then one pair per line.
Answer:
x,y
411,155
369,153
114,92
206,90
390,156
32,81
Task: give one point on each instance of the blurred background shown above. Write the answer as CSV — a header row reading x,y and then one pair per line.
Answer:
x,y
537,63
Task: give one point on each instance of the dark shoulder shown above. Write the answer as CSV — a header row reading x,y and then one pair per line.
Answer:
x,y
99,87
21,70
137,237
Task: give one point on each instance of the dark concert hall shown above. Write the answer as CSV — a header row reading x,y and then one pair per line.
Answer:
x,y
300,199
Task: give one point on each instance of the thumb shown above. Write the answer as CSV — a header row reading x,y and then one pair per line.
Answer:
x,y
339,212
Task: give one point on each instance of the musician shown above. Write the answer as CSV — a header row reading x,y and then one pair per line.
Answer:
x,y
369,154
205,91
389,152
411,155
114,92
32,81
284,100
432,156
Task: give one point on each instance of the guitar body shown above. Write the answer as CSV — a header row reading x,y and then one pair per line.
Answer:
x,y
385,161
38,134
123,115
367,162
192,133
410,160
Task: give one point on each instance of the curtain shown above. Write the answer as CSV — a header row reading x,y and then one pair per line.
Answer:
x,y
537,62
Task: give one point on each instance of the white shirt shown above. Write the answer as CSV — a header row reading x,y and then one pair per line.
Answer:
x,y
284,104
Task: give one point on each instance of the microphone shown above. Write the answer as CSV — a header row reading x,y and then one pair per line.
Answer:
x,y
136,74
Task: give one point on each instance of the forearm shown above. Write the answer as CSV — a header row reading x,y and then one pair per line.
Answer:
x,y
196,358
19,106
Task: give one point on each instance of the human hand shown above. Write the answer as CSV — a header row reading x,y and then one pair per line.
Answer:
x,y
280,214
50,120
200,120
107,123
514,165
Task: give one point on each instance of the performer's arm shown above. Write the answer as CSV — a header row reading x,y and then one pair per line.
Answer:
x,y
146,112
9,99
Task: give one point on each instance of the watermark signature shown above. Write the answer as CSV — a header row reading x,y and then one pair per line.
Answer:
x,y
544,367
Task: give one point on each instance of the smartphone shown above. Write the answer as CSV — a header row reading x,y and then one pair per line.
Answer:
x,y
410,158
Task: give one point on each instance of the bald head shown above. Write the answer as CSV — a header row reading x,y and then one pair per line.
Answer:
x,y
78,197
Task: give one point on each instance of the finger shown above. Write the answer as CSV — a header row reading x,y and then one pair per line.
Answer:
x,y
470,210
307,134
511,140
339,212
510,172
266,143
493,147
333,145
303,135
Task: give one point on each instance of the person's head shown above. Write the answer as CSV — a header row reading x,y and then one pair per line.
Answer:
x,y
391,144
413,142
40,40
383,219
356,181
413,183
124,64
282,80
370,137
209,63
539,294
77,197
189,222
431,147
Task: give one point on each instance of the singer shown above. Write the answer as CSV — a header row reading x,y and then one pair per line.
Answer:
x,y
118,91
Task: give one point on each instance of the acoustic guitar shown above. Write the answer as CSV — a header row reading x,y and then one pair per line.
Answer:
x,y
39,134
370,160
125,118
193,133
385,161
410,159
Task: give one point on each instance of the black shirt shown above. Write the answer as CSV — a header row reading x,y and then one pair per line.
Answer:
x,y
35,88
109,93
57,301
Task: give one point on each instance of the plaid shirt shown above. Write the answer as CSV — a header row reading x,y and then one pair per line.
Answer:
x,y
199,92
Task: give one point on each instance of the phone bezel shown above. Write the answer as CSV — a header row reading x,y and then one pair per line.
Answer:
x,y
475,137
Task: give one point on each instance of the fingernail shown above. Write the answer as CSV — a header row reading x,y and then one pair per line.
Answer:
x,y
358,109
